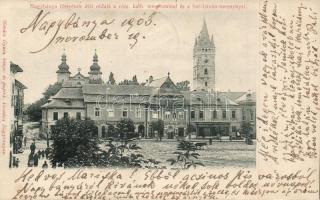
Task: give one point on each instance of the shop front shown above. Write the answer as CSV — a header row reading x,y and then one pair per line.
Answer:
x,y
214,130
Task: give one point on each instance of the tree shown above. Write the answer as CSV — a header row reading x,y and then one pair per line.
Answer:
x,y
72,143
135,80
52,90
73,146
159,127
183,85
124,82
34,111
246,129
126,128
111,80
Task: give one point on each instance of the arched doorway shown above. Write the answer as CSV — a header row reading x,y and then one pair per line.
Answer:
x,y
103,130
95,131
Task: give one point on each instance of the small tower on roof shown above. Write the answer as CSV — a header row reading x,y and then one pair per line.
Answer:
x,y
95,73
204,61
63,72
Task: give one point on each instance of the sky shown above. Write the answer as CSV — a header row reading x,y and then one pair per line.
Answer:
x,y
167,47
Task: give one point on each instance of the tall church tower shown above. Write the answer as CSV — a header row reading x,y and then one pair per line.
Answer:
x,y
63,72
95,73
203,61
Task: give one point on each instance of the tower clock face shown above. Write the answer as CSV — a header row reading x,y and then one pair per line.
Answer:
x,y
206,60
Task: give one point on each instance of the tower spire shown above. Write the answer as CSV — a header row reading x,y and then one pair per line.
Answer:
x,y
95,56
95,73
204,31
63,72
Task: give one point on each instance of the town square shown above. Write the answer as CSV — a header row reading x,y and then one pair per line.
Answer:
x,y
85,121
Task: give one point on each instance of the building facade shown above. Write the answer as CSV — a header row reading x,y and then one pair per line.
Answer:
x,y
17,102
203,112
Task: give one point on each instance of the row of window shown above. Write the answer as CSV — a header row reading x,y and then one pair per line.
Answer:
x,y
155,114
244,116
214,114
205,72
65,114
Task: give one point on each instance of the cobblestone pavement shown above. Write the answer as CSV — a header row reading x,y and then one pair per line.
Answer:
x,y
218,155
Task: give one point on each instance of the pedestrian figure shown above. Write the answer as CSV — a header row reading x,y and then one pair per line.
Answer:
x,y
33,148
45,165
36,160
14,162
15,146
20,142
42,153
39,154
30,160
47,153
25,141
238,135
17,162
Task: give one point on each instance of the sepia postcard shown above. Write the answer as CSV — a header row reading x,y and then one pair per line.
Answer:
x,y
160,99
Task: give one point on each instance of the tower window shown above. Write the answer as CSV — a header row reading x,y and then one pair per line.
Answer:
x,y
206,84
206,71
97,112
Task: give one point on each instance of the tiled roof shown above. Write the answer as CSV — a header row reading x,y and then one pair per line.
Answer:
x,y
118,94
202,97
247,97
69,93
20,85
158,82
233,95
103,89
64,103
15,68
116,99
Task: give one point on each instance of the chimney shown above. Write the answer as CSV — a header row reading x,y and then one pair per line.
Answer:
x,y
248,95
150,79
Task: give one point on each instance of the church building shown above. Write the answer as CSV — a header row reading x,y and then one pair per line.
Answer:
x,y
203,112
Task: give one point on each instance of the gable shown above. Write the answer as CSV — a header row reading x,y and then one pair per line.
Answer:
x,y
78,76
168,84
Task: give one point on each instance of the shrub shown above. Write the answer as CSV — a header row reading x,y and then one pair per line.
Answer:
x,y
186,155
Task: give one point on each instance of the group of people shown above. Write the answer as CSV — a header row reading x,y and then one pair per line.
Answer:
x,y
34,158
